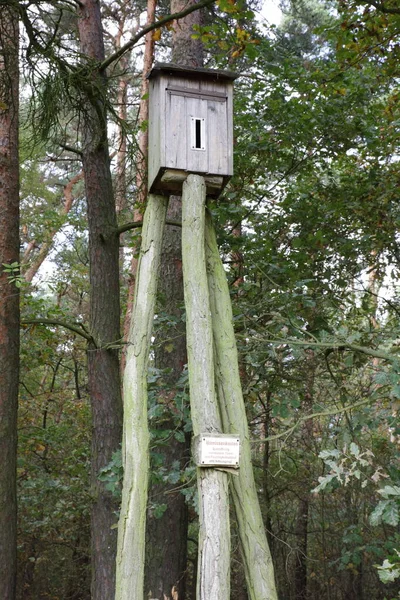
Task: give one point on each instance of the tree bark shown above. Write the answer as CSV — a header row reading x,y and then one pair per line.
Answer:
x,y
9,298
131,528
103,364
257,558
213,578
186,50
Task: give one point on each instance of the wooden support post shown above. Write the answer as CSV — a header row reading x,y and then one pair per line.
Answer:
x,y
132,522
255,550
213,581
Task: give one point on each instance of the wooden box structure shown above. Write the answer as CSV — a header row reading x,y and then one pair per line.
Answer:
x,y
190,127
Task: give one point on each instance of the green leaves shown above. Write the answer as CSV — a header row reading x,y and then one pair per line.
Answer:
x,y
389,571
344,466
112,475
13,273
387,510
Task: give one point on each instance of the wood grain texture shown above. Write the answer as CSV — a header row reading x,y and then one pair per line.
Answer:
x,y
214,539
156,148
176,140
254,545
131,527
174,101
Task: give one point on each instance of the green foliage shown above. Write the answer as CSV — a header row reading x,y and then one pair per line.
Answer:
x,y
112,474
308,228
387,510
169,417
390,569
346,464
13,274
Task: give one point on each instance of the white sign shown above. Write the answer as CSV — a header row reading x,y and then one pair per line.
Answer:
x,y
219,450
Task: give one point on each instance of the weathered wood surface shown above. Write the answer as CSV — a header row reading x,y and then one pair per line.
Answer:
x,y
156,149
131,527
172,180
174,101
195,72
172,176
214,538
254,545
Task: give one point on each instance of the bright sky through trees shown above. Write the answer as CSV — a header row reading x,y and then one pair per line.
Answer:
x,y
271,12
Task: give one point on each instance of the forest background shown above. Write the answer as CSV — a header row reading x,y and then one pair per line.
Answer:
x,y
308,230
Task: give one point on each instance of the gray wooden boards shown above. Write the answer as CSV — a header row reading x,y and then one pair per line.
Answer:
x,y
190,127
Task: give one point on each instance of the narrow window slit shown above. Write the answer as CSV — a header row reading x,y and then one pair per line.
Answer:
x,y
198,134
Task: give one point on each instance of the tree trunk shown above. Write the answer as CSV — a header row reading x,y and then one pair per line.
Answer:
x,y
186,51
9,298
166,537
103,364
213,578
131,528
301,533
257,558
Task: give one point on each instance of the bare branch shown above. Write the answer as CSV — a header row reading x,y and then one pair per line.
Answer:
x,y
137,224
340,346
157,25
381,7
325,413
71,149
78,329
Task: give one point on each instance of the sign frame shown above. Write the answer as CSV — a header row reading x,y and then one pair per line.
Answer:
x,y
218,450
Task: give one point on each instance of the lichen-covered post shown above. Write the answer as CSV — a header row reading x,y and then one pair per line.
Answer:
x,y
254,545
135,452
213,581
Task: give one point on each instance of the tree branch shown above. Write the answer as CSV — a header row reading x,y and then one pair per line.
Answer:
x,y
381,7
78,329
137,224
71,149
179,15
341,346
325,413
34,43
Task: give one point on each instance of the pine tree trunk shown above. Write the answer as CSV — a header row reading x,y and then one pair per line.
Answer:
x,y
9,298
103,364
131,528
213,578
186,51
257,558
